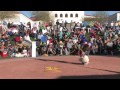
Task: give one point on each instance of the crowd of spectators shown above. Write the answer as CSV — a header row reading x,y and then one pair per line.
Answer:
x,y
59,39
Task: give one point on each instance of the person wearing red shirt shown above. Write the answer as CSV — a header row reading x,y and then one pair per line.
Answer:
x,y
46,25
17,38
50,40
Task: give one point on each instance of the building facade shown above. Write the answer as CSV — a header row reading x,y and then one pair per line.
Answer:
x,y
74,16
115,17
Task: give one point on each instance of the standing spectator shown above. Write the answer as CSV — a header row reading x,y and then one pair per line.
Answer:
x,y
35,25
69,45
50,24
28,25
57,23
9,24
118,47
112,24
34,32
1,26
62,24
61,47
99,43
116,25
94,49
22,26
39,36
66,24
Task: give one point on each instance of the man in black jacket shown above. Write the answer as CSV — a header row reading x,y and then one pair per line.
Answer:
x,y
57,23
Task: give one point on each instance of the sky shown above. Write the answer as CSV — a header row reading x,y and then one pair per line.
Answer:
x,y
27,13
91,12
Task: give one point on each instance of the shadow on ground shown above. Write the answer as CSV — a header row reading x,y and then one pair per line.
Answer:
x,y
116,76
104,70
59,61
113,76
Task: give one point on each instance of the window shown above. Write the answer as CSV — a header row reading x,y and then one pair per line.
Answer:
x,y
76,15
66,15
61,15
71,15
56,15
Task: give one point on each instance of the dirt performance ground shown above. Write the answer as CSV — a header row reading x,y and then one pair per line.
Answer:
x,y
60,67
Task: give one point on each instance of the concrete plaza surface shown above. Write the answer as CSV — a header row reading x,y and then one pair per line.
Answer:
x,y
60,67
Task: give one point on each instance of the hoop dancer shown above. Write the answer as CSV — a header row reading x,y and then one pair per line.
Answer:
x,y
83,55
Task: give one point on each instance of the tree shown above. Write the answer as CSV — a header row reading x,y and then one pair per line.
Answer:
x,y
89,19
41,15
112,18
101,16
7,14
51,16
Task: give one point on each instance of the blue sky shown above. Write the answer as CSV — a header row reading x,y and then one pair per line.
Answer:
x,y
91,12
27,13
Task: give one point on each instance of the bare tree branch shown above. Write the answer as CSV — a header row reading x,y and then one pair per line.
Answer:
x,y
7,14
101,16
41,15
89,19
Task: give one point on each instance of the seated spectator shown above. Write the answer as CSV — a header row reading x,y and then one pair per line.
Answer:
x,y
74,50
20,51
22,34
110,47
14,51
27,37
39,36
17,38
25,51
4,53
2,46
14,30
3,38
50,49
10,33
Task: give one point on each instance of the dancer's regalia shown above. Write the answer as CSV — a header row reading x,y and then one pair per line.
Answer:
x,y
83,55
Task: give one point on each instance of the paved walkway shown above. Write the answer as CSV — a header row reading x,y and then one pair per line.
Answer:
x,y
60,67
